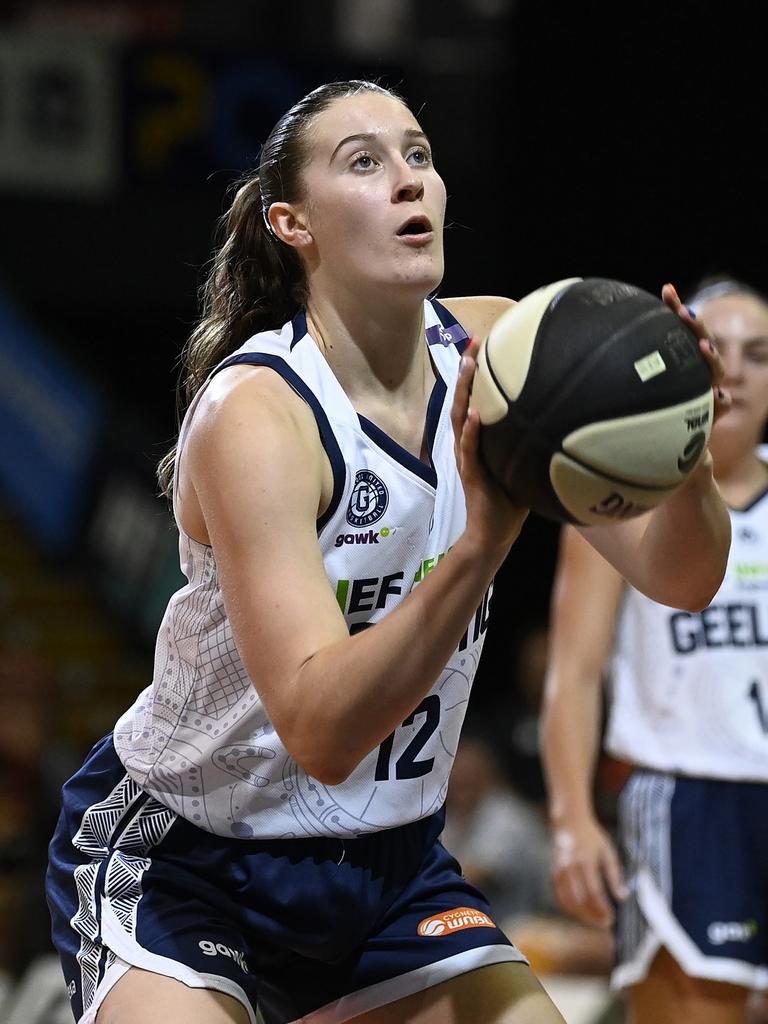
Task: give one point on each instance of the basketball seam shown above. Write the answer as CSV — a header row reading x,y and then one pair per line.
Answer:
x,y
616,479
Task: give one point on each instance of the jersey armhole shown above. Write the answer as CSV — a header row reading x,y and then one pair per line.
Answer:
x,y
327,436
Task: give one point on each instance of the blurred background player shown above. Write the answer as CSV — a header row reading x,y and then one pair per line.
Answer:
x,y
689,715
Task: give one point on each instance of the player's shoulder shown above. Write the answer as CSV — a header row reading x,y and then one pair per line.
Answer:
x,y
245,401
245,385
477,313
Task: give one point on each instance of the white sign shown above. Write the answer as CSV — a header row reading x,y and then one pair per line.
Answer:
x,y
58,125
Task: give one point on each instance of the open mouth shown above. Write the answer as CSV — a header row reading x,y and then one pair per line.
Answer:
x,y
415,226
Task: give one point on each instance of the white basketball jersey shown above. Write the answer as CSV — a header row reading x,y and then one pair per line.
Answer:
x,y
690,690
199,739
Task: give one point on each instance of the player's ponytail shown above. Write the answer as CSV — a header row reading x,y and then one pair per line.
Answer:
x,y
256,282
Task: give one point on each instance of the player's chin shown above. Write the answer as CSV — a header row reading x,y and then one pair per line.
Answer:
x,y
422,269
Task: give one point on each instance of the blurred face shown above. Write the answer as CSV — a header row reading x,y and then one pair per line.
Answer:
x,y
738,325
374,204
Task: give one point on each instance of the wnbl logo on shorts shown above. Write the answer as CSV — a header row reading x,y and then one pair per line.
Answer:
x,y
369,499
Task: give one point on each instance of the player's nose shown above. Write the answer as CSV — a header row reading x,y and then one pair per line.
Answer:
x,y
733,363
407,185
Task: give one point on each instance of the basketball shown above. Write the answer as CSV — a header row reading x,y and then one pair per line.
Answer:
x,y
594,400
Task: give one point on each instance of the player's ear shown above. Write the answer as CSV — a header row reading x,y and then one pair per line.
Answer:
x,y
289,223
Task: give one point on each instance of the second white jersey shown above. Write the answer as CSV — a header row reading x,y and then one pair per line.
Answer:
x,y
200,740
690,690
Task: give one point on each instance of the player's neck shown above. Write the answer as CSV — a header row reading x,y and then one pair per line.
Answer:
x,y
379,351
740,479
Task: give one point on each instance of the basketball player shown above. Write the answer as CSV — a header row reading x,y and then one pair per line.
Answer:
x,y
258,838
689,709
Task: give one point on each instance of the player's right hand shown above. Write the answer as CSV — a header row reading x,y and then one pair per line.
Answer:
x,y
587,873
489,512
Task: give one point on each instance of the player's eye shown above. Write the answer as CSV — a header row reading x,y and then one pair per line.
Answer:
x,y
420,157
757,353
363,161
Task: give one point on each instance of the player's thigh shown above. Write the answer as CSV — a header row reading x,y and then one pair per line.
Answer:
x,y
141,996
507,993
668,995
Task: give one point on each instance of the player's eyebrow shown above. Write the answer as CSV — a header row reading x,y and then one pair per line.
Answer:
x,y
409,133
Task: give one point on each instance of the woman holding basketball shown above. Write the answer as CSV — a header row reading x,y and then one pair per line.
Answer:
x,y
689,711
258,838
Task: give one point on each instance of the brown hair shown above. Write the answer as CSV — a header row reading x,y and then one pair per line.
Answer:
x,y
255,281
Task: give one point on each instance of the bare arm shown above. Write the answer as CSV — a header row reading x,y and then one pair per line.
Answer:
x,y
585,601
477,313
677,554
256,463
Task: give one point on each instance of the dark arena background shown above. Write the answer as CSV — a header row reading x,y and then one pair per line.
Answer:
x,y
615,140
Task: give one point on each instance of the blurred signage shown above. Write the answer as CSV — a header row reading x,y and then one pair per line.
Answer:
x,y
84,115
135,545
58,115
190,114
49,422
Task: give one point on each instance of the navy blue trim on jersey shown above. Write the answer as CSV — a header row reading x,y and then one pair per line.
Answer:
x,y
447,319
751,504
426,471
398,453
327,436
436,400
299,325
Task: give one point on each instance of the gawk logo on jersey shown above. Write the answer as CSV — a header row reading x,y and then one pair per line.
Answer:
x,y
211,948
720,932
371,537
369,499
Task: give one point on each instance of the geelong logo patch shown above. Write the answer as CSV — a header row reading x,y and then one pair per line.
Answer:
x,y
454,921
369,499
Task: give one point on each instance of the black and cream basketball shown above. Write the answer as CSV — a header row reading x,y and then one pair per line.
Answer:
x,y
595,401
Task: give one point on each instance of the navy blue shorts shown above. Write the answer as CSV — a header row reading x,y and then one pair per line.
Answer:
x,y
320,929
696,861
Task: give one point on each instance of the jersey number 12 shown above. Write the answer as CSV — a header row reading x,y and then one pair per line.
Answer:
x,y
407,766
